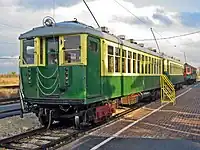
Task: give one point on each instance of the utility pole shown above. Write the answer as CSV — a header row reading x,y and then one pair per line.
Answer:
x,y
155,40
184,57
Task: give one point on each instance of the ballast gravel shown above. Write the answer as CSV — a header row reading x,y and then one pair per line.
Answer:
x,y
11,126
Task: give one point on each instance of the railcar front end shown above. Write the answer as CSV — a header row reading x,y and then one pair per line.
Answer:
x,y
60,73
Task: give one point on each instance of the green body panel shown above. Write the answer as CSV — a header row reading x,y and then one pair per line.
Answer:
x,y
191,76
116,86
77,83
30,88
93,68
47,79
76,88
176,78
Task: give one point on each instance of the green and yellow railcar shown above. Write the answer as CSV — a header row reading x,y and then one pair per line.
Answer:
x,y
71,70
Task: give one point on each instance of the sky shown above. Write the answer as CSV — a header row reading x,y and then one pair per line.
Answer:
x,y
166,18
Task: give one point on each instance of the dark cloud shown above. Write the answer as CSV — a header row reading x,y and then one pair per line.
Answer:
x,y
158,14
164,19
132,21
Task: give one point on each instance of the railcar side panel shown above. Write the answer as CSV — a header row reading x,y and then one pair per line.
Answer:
x,y
175,79
93,78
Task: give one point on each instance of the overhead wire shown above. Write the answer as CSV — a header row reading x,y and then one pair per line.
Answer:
x,y
170,37
162,38
140,21
130,12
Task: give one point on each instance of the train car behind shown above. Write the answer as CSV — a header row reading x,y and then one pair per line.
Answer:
x,y
190,73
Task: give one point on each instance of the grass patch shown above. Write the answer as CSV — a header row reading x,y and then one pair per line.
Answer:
x,y
8,79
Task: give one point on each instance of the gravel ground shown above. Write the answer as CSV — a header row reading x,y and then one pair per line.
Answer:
x,y
14,125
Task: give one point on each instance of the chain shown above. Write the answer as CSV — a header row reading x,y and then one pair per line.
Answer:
x,y
46,76
47,88
47,93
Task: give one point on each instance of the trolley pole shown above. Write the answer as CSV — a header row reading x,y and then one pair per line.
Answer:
x,y
184,57
155,40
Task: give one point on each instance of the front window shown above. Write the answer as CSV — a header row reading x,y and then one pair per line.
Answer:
x,y
110,59
28,52
72,49
52,50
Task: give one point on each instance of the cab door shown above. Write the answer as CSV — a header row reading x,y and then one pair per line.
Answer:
x,y
93,67
48,76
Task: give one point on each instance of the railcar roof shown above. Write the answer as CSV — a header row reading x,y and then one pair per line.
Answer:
x,y
190,65
75,27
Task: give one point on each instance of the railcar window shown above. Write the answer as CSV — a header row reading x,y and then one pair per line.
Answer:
x,y
129,61
142,64
157,66
171,68
188,69
41,51
72,49
28,51
124,61
138,67
160,69
117,59
110,59
134,62
152,66
149,62
146,64
52,51
93,46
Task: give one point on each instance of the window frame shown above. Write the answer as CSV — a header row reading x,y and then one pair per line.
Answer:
x,y
175,68
36,48
83,50
112,56
134,62
118,57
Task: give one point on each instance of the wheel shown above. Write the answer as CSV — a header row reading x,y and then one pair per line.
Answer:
x,y
77,122
158,94
45,119
153,96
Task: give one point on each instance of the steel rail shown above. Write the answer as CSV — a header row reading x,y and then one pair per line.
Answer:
x,y
63,140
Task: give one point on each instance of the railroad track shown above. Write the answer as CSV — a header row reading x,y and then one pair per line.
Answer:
x,y
9,108
5,101
57,135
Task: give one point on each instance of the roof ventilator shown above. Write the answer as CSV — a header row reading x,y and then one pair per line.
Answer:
x,y
154,50
150,48
132,41
122,37
105,29
141,44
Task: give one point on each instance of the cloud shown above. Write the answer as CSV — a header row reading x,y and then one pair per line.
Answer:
x,y
150,16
